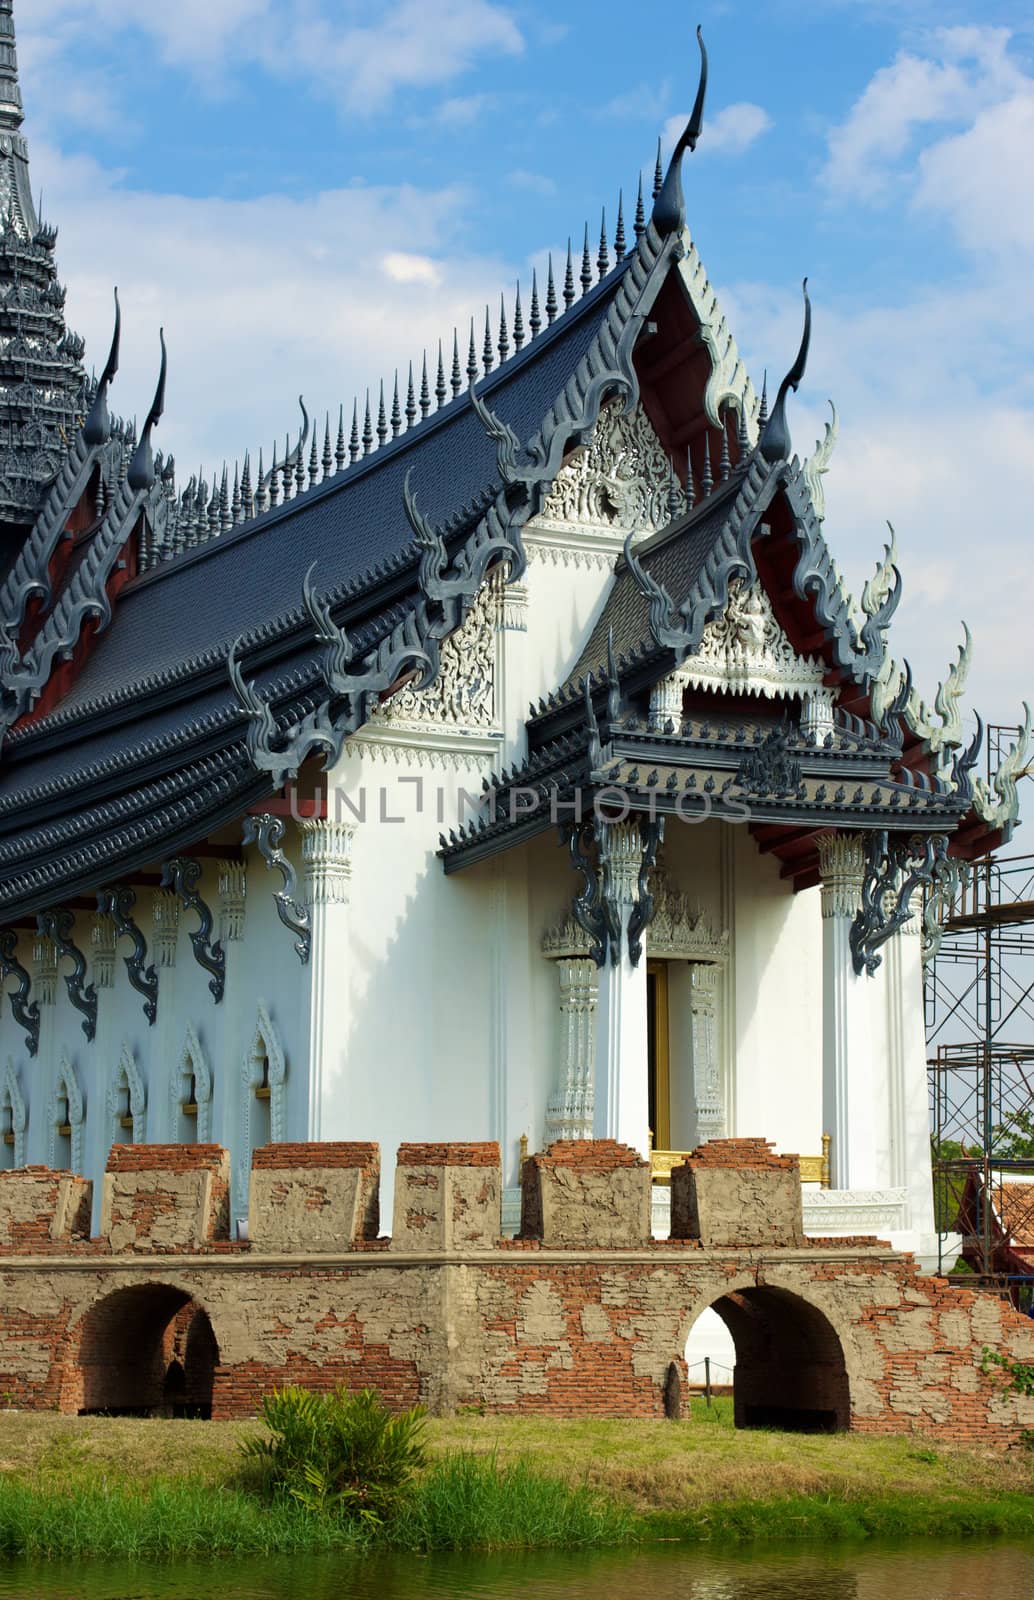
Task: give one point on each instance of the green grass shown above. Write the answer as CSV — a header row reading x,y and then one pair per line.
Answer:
x,y
121,1488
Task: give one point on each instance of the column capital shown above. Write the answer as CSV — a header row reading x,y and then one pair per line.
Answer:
x,y
842,866
621,857
327,856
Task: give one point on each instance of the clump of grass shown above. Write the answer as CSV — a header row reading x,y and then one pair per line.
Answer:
x,y
470,1502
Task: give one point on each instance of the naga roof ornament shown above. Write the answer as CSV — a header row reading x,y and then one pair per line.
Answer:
x,y
669,209
817,464
141,475
774,443
97,427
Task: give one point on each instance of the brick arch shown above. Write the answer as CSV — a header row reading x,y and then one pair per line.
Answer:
x,y
145,1349
792,1361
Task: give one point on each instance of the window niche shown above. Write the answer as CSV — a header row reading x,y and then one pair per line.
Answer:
x,y
192,1094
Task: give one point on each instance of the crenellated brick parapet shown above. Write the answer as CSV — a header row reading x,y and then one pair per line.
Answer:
x,y
584,1315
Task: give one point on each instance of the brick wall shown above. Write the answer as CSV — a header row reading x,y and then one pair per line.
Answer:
x,y
836,1332
314,1197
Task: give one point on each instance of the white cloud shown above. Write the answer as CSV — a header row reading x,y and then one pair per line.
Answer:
x,y
358,63
403,268
729,133
533,182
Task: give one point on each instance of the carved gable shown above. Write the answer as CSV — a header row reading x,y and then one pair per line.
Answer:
x,y
621,482
462,698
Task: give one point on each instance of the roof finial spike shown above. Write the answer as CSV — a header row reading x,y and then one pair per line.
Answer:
x,y
585,277
706,477
396,409
619,232
535,318
247,494
141,475
487,352
440,390
551,300
367,428
473,370
775,442
425,390
669,207
340,453
603,254
353,443
456,376
328,454
569,280
410,399
314,461
225,519
274,482
724,462
262,498
518,320
658,171
215,507
639,225
97,427
691,493
742,436
504,337
235,501
763,407
382,419
673,490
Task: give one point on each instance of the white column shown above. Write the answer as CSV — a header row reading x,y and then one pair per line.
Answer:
x,y
327,858
708,1089
853,1108
569,1112
909,1096
621,1108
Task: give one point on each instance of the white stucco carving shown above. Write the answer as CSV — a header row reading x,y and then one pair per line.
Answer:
x,y
127,1097
817,464
44,966
65,1095
102,952
233,889
744,651
193,1064
620,482
165,914
463,695
12,1103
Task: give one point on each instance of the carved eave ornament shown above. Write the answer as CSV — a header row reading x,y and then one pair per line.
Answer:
x,y
620,483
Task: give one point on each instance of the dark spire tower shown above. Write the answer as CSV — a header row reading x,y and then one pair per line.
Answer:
x,y
42,384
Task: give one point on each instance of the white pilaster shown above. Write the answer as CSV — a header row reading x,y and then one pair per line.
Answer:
x,y
569,1112
621,1108
909,1098
327,858
853,1107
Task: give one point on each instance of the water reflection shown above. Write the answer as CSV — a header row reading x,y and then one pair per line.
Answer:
x,y
866,1573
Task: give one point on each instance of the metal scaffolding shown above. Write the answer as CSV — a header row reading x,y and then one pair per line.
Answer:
x,y
979,996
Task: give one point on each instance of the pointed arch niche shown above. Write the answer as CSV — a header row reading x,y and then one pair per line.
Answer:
x,y
66,1120
695,958
127,1101
191,1093
264,1071
13,1119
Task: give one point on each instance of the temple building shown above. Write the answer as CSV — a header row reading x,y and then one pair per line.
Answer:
x,y
505,759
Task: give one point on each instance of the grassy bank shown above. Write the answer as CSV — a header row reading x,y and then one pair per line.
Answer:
x,y
72,1487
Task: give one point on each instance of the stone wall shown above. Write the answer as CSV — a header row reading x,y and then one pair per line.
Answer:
x,y
570,1319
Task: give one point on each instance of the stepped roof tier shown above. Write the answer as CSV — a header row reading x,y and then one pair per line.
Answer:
x,y
170,658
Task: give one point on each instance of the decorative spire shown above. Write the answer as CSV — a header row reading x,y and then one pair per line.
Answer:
x,y
603,254
504,337
382,419
473,370
669,209
410,399
396,410
440,390
724,463
658,171
551,300
706,478
353,443
11,114
775,442
235,503
328,454
518,321
367,428
425,391
487,353
340,456
274,487
639,225
314,462
535,318
456,376
619,234
247,496
569,280
586,272
763,406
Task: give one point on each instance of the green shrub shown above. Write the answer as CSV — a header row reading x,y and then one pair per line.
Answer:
x,y
339,1453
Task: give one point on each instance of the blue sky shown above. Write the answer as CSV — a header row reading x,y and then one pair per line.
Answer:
x,y
306,192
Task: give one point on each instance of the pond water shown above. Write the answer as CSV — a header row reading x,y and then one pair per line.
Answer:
x,y
924,1571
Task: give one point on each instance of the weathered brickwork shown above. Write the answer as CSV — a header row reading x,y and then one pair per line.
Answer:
x,y
171,1197
828,1333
